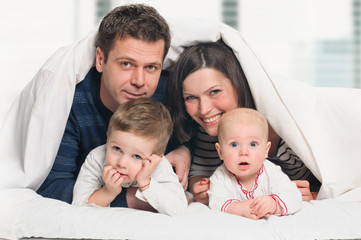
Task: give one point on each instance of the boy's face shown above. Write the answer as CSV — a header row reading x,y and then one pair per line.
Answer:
x,y
243,148
131,71
126,153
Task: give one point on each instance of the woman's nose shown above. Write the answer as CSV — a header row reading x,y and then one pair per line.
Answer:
x,y
205,106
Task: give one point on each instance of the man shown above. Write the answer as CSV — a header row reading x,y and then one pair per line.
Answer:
x,y
131,45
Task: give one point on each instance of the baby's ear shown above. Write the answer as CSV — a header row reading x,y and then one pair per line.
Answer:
x,y
268,146
219,150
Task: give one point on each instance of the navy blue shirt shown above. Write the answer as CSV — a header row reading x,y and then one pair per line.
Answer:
x,y
85,130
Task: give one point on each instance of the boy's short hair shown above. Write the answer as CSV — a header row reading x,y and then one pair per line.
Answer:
x,y
144,117
135,20
243,115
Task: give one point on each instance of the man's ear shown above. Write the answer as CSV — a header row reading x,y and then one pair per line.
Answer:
x,y
219,150
99,59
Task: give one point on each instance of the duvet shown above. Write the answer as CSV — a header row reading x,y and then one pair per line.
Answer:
x,y
322,125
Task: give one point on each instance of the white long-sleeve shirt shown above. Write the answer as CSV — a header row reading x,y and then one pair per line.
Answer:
x,y
225,189
164,193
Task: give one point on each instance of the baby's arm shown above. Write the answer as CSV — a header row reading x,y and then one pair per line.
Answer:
x,y
242,209
264,206
283,191
163,190
223,196
112,188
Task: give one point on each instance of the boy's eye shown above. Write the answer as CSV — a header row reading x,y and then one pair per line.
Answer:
x,y
117,149
234,144
136,156
253,144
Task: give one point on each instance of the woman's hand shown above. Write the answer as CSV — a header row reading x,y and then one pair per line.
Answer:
x,y
180,158
198,187
304,187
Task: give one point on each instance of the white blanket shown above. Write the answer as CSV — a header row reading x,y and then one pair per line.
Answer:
x,y
322,125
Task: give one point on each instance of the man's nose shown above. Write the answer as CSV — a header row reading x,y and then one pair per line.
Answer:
x,y
138,77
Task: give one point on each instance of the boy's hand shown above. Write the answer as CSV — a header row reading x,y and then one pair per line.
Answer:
x,y
112,180
263,206
148,166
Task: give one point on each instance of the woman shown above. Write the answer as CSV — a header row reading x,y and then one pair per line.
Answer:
x,y
207,81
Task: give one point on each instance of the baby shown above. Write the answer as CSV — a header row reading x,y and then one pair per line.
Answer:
x,y
137,137
246,184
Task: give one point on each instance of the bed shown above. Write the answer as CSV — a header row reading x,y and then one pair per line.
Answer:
x,y
322,125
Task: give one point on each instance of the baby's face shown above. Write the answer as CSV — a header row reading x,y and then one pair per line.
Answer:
x,y
243,148
126,153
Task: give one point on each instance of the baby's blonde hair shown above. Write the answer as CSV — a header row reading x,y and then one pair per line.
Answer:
x,y
243,116
144,117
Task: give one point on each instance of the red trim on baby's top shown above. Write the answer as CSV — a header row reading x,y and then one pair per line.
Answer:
x,y
281,203
227,203
249,194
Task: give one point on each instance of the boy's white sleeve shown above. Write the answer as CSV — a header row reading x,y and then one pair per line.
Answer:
x,y
284,191
220,191
164,193
90,176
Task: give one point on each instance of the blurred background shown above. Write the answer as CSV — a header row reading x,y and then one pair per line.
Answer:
x,y
315,41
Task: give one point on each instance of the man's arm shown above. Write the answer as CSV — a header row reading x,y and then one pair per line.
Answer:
x,y
60,182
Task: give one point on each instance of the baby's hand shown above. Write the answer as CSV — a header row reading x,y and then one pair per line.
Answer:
x,y
263,206
112,180
148,166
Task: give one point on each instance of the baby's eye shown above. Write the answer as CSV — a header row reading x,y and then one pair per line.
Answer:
x,y
253,144
234,144
136,156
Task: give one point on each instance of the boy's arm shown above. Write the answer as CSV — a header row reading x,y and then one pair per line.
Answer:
x,y
89,180
164,192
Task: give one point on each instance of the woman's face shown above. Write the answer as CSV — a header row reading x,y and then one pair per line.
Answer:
x,y
207,95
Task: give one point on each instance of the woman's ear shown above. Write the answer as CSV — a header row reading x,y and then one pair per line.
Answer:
x,y
219,150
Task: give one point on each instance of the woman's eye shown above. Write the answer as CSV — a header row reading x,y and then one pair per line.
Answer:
x,y
189,98
213,92
253,144
234,144
136,156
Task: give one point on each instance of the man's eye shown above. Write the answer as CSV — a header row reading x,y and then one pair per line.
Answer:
x,y
136,156
151,67
125,64
253,144
234,144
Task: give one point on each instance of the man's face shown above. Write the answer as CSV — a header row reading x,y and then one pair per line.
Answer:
x,y
132,70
